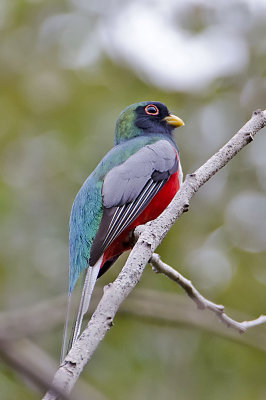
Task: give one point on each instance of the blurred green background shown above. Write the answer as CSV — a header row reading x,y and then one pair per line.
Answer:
x,y
67,69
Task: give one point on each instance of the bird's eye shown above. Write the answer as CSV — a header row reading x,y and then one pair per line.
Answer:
x,y
151,109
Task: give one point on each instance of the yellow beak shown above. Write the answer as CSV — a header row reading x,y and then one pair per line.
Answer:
x,y
174,120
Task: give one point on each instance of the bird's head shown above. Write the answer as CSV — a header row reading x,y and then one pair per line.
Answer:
x,y
148,117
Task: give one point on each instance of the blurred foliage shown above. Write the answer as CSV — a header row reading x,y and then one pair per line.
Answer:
x,y
58,105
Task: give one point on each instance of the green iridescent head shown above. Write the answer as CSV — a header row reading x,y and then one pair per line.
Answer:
x,y
147,117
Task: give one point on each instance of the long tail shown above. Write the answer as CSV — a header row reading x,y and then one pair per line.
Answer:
x,y
88,286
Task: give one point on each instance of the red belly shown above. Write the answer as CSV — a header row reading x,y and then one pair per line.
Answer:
x,y
152,211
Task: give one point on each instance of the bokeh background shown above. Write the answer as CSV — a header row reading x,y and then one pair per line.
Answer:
x,y
67,69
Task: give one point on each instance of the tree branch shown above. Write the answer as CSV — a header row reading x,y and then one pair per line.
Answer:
x,y
32,320
21,363
30,361
149,238
201,301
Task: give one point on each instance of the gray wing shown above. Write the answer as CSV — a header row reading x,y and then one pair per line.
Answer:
x,y
129,187
124,183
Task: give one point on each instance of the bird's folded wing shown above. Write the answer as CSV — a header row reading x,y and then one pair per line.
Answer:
x,y
128,189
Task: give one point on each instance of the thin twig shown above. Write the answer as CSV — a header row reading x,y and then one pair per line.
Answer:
x,y
165,308
202,303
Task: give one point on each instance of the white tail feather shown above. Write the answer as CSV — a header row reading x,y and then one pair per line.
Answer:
x,y
90,280
64,344
88,286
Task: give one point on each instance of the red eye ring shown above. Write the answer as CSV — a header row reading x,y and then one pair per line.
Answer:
x,y
154,109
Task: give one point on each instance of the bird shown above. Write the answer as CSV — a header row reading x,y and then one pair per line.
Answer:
x,y
132,184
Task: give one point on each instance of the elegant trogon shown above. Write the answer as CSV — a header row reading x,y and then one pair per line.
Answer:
x,y
132,185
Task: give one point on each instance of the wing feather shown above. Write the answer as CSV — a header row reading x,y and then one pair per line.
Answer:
x,y
127,193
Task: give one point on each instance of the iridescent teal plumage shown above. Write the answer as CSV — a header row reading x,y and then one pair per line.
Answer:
x,y
125,128
85,219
